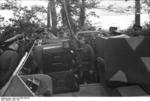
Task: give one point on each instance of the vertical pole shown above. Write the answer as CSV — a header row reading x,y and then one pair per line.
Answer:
x,y
53,17
82,13
48,14
137,12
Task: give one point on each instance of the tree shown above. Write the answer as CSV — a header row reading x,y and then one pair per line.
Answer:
x,y
82,13
53,16
25,20
77,12
48,15
137,12
146,6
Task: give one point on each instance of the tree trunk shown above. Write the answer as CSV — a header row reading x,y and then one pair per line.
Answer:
x,y
63,16
137,12
68,14
63,13
82,14
53,16
48,15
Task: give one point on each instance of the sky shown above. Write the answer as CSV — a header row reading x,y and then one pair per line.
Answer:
x,y
107,19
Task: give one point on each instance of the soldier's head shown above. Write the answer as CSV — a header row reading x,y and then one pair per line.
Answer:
x,y
137,27
13,42
112,29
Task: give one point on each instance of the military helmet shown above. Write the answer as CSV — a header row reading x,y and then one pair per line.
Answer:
x,y
7,40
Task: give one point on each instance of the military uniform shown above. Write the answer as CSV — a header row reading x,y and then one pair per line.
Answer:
x,y
9,60
87,63
8,63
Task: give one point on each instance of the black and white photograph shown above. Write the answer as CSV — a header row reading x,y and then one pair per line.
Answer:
x,y
74,48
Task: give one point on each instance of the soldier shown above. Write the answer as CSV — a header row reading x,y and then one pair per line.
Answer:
x,y
113,31
9,59
137,30
87,61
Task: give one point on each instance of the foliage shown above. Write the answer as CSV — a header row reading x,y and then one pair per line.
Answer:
x,y
76,14
1,20
146,6
25,20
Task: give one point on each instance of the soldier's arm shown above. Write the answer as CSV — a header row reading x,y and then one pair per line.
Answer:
x,y
14,60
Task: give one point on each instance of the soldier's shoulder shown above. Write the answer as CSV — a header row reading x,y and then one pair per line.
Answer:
x,y
10,52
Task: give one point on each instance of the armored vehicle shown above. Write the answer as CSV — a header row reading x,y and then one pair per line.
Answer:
x,y
126,71
51,69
